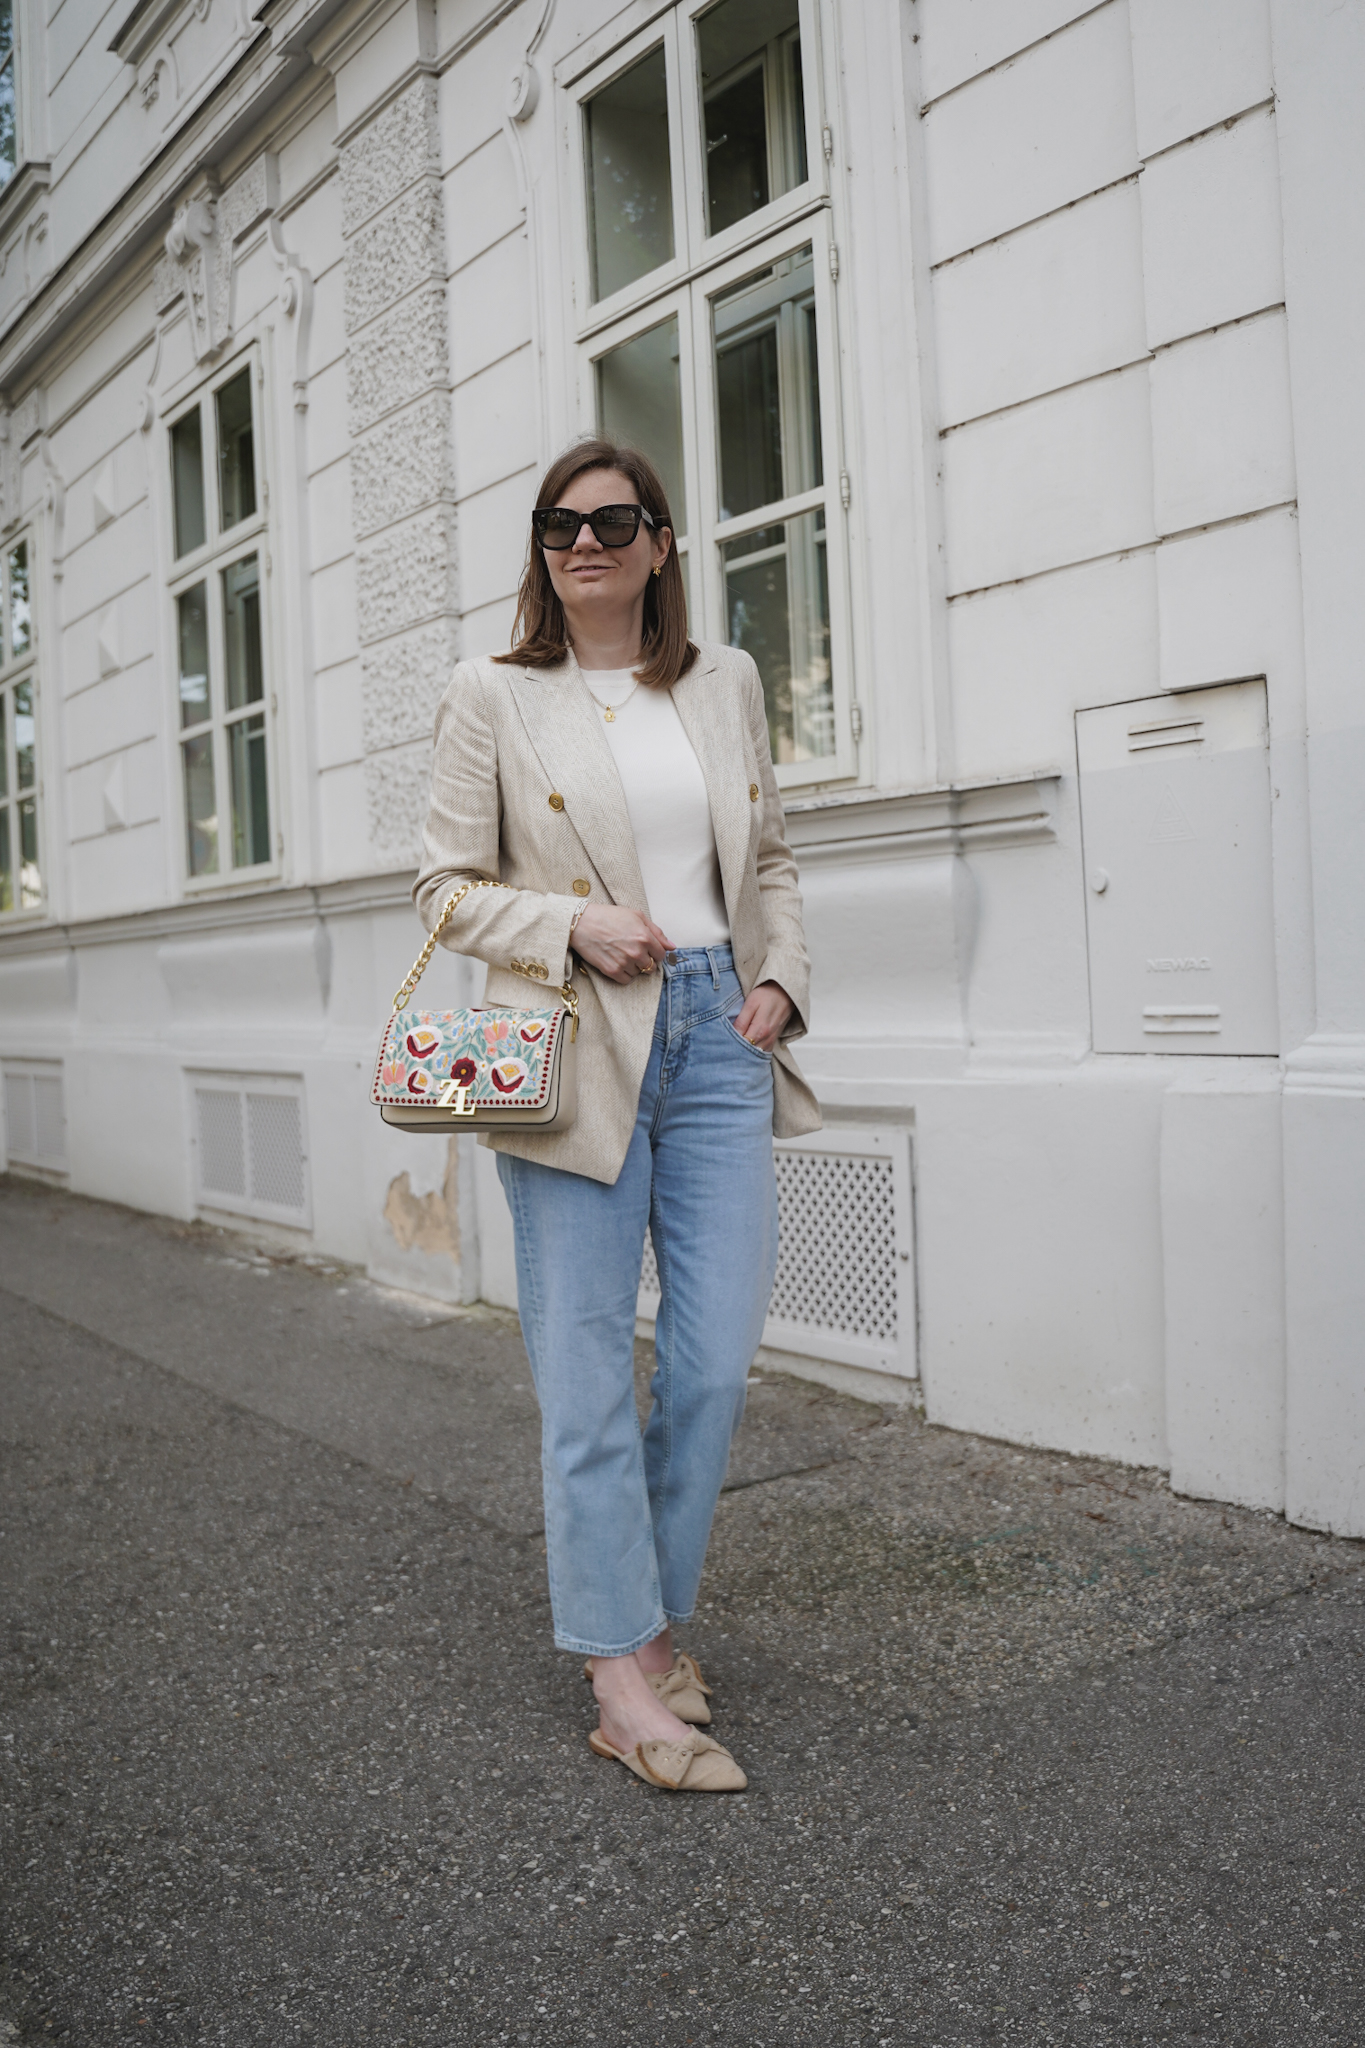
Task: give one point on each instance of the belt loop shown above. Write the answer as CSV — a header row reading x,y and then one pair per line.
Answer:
x,y
711,962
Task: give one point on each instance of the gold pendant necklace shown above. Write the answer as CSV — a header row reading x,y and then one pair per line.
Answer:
x,y
608,711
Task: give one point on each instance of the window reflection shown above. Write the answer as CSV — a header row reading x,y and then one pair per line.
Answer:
x,y
639,399
750,57
767,387
777,609
30,874
187,483
192,625
201,807
768,428
236,451
9,136
630,195
250,806
242,633
25,764
20,615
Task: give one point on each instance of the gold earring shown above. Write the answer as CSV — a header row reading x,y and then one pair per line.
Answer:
x,y
658,568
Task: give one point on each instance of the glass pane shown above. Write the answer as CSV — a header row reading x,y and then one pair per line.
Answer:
x,y
24,775
250,805
777,609
6,871
20,617
201,806
30,875
242,633
630,192
187,482
236,451
192,616
639,399
8,140
750,57
4,744
767,387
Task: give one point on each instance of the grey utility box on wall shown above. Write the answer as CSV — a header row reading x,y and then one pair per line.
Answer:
x,y
1175,821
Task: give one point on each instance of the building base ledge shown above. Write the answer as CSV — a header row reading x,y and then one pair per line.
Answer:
x,y
1330,1063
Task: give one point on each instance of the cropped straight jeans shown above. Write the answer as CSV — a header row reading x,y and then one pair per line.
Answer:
x,y
628,1517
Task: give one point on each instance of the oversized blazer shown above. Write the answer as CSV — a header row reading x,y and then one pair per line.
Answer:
x,y
525,790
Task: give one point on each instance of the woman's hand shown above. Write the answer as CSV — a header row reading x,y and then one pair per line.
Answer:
x,y
618,942
764,1016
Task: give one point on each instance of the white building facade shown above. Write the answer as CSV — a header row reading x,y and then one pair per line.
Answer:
x,y
1001,358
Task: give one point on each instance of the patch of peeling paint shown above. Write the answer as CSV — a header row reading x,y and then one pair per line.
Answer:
x,y
427,1223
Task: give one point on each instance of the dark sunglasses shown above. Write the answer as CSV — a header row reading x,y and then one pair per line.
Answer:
x,y
615,526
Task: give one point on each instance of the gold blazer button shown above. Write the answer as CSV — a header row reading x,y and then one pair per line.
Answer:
x,y
556,800
515,966
582,888
753,792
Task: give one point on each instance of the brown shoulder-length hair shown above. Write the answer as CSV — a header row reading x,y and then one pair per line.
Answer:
x,y
540,636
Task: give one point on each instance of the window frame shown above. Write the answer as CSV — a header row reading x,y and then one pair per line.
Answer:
x,y
15,670
704,265
208,564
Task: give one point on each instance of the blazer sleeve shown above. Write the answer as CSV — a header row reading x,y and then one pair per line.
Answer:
x,y
786,961
461,843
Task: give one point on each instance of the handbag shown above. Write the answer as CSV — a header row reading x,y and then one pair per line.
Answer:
x,y
497,1069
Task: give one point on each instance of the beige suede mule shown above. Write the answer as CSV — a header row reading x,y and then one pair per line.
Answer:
x,y
696,1764
682,1690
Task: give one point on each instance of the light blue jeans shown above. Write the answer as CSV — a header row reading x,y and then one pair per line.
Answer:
x,y
628,1518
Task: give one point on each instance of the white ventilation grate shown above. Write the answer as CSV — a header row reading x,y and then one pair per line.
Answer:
x,y
249,1141
845,1269
35,1115
222,1147
275,1142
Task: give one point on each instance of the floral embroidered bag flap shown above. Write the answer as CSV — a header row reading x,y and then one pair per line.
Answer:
x,y
440,1070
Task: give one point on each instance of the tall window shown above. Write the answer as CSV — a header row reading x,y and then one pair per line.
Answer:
x,y
706,321
9,99
21,877
218,539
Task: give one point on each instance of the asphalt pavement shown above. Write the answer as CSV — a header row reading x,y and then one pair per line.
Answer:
x,y
1038,1753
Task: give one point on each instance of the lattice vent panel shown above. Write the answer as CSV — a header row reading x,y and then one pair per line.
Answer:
x,y
35,1116
836,1267
275,1135
251,1148
844,1286
222,1145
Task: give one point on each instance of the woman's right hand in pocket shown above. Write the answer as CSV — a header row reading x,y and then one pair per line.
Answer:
x,y
618,942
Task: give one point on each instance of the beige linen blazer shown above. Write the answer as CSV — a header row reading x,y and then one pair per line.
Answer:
x,y
525,790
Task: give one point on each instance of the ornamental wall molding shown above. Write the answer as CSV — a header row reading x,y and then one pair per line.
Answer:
x,y
200,249
148,42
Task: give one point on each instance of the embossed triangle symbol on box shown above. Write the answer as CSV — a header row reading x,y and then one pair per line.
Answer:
x,y
1170,821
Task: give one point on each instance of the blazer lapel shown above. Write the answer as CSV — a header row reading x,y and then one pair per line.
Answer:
x,y
573,750
711,719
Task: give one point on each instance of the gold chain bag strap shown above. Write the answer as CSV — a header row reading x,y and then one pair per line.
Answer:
x,y
442,1070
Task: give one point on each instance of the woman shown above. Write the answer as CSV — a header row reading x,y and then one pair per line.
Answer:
x,y
618,777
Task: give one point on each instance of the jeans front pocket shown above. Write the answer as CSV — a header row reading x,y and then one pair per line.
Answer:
x,y
739,1038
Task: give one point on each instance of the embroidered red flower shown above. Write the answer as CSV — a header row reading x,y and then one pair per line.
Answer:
x,y
463,1072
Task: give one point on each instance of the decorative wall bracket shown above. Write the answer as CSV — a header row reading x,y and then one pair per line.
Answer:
x,y
200,250
192,246
296,304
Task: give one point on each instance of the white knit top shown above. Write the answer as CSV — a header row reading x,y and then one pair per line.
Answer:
x,y
666,798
